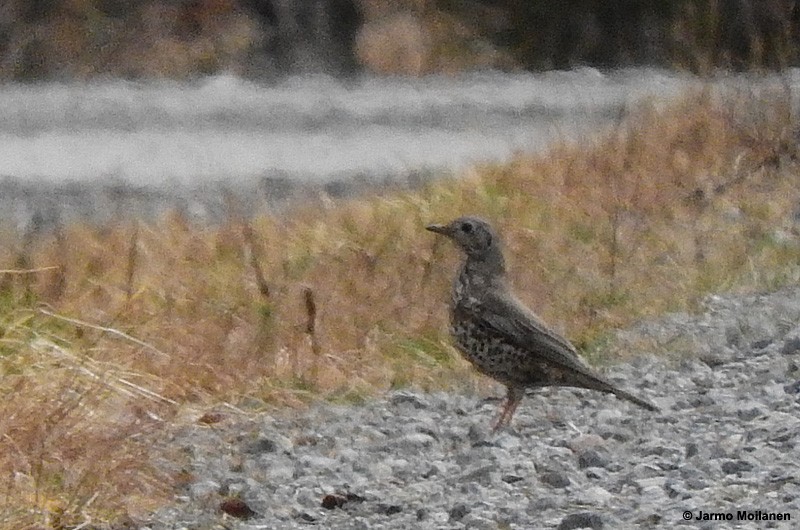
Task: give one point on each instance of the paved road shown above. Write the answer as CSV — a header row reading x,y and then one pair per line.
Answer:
x,y
106,149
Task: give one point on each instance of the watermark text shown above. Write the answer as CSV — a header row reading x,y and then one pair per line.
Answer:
x,y
737,515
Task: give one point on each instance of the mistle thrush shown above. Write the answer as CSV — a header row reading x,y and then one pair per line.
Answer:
x,y
499,335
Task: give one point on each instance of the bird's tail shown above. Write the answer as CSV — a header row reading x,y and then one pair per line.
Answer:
x,y
586,379
633,399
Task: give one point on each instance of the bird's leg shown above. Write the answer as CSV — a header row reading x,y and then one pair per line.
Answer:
x,y
513,399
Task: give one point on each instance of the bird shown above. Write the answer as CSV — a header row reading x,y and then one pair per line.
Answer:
x,y
499,335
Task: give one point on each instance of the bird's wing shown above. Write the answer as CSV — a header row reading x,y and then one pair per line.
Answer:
x,y
507,316
520,326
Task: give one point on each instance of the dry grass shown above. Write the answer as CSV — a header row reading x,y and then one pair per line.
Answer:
x,y
138,322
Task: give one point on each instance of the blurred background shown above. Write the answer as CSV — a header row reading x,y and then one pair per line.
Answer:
x,y
179,39
112,106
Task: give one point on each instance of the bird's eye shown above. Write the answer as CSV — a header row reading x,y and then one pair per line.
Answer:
x,y
466,228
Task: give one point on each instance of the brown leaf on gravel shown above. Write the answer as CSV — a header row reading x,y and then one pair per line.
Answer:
x,y
236,507
210,418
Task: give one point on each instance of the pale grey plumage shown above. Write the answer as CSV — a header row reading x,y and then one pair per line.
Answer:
x,y
499,335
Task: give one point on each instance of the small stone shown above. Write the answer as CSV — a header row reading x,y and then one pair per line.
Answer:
x,y
316,462
510,443
458,512
380,471
481,475
579,444
354,497
607,416
269,444
652,481
235,488
237,464
388,509
476,433
647,470
702,401
555,479
596,473
791,345
329,502
236,507
432,471
773,391
262,445
650,380
734,336
592,458
204,489
712,361
650,520
475,522
415,440
731,467
593,496
750,413
760,344
581,520
407,398
695,483
675,490
540,504
792,388
617,435
681,404
282,471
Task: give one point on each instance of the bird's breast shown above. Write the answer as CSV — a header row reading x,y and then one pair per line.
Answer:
x,y
466,293
489,352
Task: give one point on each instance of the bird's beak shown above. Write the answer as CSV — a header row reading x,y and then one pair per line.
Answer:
x,y
439,229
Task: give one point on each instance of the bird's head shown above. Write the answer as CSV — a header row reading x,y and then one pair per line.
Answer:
x,y
475,237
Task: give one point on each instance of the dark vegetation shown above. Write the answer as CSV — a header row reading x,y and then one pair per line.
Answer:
x,y
693,34
54,39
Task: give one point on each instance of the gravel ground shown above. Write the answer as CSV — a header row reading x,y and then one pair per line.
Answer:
x,y
727,381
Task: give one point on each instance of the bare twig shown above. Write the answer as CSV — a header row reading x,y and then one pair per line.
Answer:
x,y
28,271
252,249
146,392
57,281
311,313
427,265
615,247
23,262
311,328
254,253
119,384
111,331
132,258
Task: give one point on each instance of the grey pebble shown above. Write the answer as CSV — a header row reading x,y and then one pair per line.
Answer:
x,y
592,458
581,520
458,512
731,467
554,479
